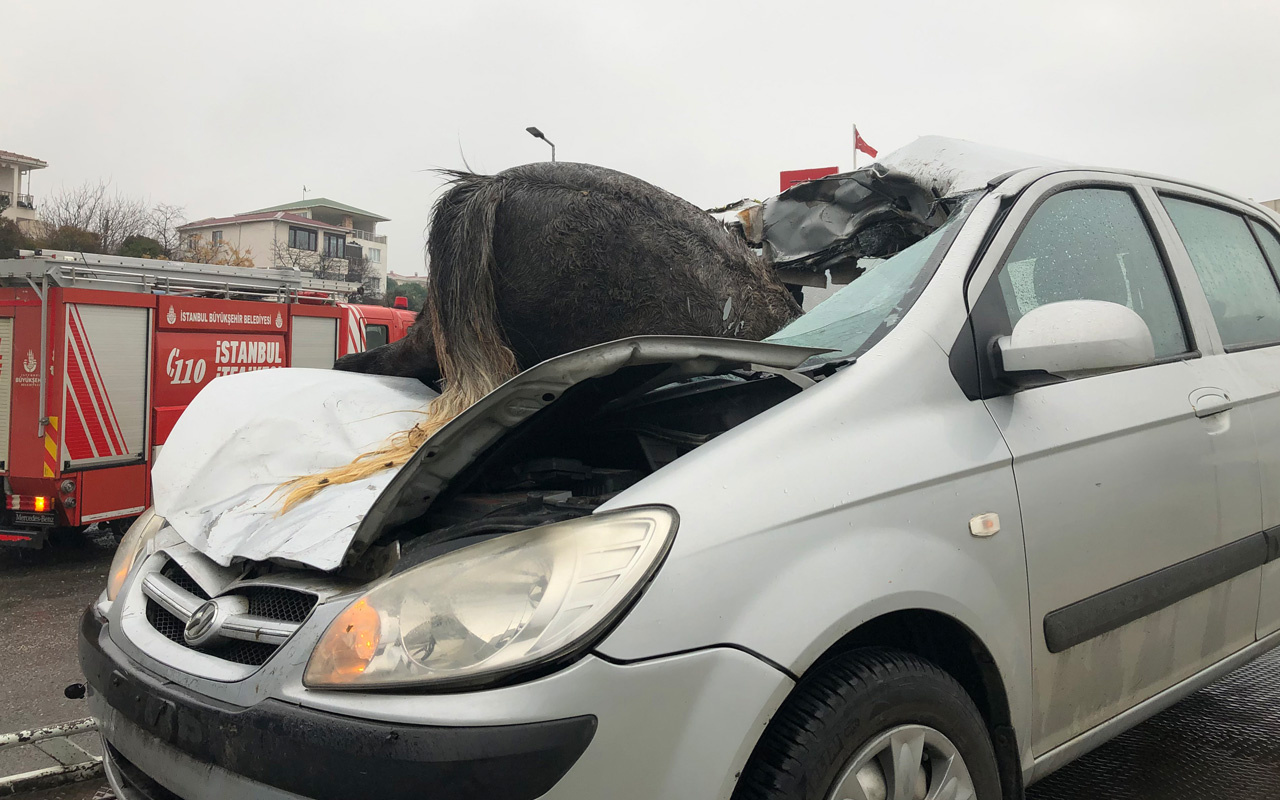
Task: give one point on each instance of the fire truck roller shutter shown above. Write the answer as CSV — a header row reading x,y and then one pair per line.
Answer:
x,y
104,407
315,342
6,386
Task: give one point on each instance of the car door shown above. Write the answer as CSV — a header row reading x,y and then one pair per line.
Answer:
x,y
1138,488
1235,252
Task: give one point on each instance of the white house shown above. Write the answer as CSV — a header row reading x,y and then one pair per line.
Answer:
x,y
16,202
285,235
419,279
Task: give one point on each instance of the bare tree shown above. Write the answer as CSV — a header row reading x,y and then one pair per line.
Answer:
x,y
319,264
76,207
121,217
360,270
356,269
95,208
163,227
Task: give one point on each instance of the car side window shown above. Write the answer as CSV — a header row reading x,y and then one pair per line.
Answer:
x,y
1092,244
1270,244
1242,292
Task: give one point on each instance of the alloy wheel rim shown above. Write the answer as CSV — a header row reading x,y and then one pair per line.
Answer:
x,y
910,762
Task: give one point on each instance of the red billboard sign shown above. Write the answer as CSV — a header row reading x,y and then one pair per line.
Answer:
x,y
202,314
791,177
186,362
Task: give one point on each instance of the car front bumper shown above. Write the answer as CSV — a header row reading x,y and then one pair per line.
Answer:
x,y
680,726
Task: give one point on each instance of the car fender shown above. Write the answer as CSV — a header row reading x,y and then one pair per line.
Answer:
x,y
787,543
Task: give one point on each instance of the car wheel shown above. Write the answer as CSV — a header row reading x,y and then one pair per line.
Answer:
x,y
874,724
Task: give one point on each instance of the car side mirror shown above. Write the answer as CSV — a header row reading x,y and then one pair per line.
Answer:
x,y
1076,337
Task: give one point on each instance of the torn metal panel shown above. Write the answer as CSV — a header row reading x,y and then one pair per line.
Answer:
x,y
830,222
244,435
744,218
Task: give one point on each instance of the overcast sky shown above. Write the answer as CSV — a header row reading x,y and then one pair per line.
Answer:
x,y
222,107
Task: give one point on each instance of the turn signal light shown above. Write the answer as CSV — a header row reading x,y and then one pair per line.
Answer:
x,y
26,502
348,646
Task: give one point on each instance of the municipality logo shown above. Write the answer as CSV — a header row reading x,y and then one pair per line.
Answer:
x,y
171,317
279,320
29,363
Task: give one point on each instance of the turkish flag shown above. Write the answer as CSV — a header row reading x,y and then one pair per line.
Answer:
x,y
861,144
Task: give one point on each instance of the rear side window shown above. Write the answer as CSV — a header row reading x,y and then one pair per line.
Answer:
x,y
1241,290
1270,244
375,336
1092,244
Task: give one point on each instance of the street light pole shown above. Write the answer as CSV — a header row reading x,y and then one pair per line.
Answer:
x,y
537,134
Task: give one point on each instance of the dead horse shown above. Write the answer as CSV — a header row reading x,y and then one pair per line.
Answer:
x,y
544,259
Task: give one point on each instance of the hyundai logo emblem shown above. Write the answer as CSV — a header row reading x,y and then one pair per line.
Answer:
x,y
204,625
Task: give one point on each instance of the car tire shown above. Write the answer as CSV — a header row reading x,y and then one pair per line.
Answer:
x,y
845,710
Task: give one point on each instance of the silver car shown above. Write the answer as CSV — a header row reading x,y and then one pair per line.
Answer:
x,y
1006,495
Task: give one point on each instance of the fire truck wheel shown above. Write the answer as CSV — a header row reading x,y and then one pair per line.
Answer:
x,y
119,527
72,536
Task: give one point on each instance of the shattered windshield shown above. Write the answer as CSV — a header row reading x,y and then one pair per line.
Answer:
x,y
860,314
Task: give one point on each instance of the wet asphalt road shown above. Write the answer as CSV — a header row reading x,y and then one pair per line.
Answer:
x,y
42,594
1224,741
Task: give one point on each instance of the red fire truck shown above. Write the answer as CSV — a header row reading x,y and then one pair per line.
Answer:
x,y
373,326
99,355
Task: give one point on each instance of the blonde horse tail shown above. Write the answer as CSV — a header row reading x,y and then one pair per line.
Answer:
x,y
471,347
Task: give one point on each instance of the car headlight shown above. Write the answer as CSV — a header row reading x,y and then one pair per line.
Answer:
x,y
488,610
135,541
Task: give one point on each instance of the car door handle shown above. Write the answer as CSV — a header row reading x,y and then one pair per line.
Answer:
x,y
1208,404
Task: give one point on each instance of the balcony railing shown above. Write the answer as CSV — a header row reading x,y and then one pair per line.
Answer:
x,y
367,236
24,200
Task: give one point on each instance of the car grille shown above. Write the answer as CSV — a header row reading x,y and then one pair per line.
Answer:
x,y
179,576
271,602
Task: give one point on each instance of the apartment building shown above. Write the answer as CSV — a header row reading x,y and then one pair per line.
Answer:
x,y
302,234
16,200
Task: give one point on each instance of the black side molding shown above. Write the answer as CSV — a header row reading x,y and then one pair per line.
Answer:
x,y
1104,612
1273,544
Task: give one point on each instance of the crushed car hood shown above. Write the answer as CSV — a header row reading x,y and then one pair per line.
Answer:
x,y
216,478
